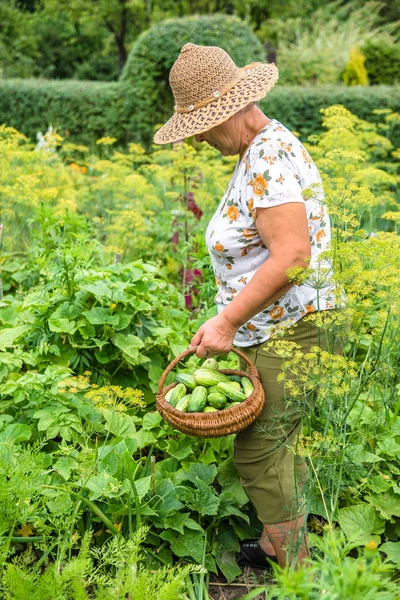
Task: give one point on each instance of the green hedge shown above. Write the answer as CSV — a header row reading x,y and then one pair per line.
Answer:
x,y
382,62
298,107
89,110
83,111
146,72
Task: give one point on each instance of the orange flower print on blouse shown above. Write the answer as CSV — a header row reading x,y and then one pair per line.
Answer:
x,y
252,212
310,308
232,213
319,235
280,179
259,185
219,247
251,326
306,156
276,312
286,147
270,159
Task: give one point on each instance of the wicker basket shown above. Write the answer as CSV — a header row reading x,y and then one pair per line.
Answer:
x,y
219,423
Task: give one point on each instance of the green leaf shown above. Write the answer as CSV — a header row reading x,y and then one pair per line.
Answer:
x,y
224,550
62,325
359,522
142,486
10,335
230,482
102,484
389,446
191,543
228,507
387,504
120,424
101,316
15,433
144,438
206,473
152,420
392,551
358,454
378,484
180,520
98,289
180,448
64,466
129,344
166,498
203,500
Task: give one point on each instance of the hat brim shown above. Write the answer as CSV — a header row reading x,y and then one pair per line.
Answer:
x,y
256,81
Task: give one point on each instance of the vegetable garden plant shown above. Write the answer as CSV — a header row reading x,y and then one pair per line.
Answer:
x,y
104,279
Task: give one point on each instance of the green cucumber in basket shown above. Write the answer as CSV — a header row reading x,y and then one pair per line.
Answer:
x,y
183,403
177,393
235,385
187,380
232,404
207,377
231,393
217,400
236,378
248,387
198,399
210,363
210,409
213,389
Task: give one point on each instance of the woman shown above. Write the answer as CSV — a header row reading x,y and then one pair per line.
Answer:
x,y
263,227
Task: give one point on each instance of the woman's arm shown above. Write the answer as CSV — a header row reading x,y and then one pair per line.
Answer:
x,y
284,231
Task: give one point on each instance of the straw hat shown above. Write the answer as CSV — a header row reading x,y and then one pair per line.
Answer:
x,y
209,88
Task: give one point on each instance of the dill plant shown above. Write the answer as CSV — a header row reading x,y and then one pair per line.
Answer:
x,y
347,389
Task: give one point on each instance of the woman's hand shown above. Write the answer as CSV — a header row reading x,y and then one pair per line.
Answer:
x,y
215,337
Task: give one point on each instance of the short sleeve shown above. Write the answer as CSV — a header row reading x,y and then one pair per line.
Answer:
x,y
271,178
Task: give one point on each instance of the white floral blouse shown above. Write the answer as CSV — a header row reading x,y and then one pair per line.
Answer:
x,y
275,169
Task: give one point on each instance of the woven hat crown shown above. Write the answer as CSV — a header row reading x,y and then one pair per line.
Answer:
x,y
201,73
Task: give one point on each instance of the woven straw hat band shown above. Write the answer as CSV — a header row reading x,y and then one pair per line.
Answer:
x,y
200,75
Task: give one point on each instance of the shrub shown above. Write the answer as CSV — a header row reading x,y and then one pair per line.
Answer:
x,y
298,107
148,95
90,110
355,72
382,62
315,51
81,110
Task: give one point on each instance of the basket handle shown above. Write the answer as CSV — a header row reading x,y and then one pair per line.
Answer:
x,y
250,367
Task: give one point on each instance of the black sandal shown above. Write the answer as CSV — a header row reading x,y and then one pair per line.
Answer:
x,y
252,555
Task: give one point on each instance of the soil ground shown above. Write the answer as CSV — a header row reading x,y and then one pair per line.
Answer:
x,y
248,581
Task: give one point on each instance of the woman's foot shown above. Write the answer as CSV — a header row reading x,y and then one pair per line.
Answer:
x,y
252,555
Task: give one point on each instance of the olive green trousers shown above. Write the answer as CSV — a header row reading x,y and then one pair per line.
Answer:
x,y
271,470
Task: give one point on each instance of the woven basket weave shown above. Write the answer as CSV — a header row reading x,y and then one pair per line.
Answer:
x,y
219,423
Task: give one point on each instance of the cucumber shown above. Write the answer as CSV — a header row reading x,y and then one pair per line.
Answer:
x,y
198,399
210,409
169,394
213,389
178,392
248,387
236,378
232,394
235,385
183,403
207,377
187,380
231,404
217,400
210,363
